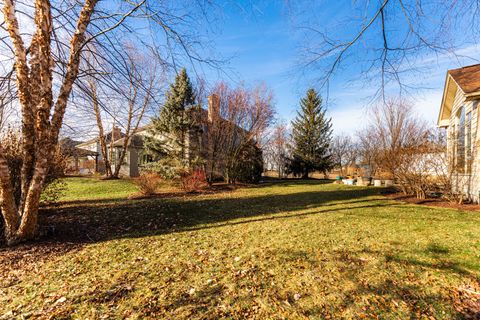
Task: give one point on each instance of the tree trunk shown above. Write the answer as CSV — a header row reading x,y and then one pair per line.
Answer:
x,y
211,174
7,205
101,132
39,132
305,174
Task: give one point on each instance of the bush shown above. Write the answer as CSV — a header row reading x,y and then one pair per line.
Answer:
x,y
295,166
247,166
11,144
167,168
148,183
193,181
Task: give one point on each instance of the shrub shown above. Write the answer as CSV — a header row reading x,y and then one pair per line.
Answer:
x,y
193,181
247,166
11,144
52,188
167,168
148,183
295,166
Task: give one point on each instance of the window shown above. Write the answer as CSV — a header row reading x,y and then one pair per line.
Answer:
x,y
468,142
146,158
460,141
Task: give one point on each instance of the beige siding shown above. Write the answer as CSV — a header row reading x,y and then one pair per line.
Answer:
x,y
469,183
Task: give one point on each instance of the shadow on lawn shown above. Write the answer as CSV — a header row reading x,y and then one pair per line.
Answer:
x,y
410,291
94,221
86,221
392,290
71,225
74,224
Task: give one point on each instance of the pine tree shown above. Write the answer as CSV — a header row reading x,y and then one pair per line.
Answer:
x,y
312,136
174,120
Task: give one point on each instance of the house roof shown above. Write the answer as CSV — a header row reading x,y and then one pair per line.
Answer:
x,y
108,138
70,148
68,142
136,141
467,78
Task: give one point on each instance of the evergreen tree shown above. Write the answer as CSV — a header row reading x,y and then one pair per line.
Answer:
x,y
312,136
174,119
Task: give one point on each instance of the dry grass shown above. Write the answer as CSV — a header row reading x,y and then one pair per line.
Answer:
x,y
287,250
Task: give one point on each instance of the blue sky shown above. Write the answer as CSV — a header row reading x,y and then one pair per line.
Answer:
x,y
263,44
260,47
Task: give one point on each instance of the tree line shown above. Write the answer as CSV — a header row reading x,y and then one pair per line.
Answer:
x,y
222,141
61,55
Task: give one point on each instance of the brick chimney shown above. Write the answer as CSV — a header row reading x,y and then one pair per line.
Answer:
x,y
213,106
116,133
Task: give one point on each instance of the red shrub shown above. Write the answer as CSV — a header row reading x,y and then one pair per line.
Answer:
x,y
148,183
193,181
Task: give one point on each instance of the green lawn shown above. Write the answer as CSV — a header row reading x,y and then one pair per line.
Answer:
x,y
79,188
305,249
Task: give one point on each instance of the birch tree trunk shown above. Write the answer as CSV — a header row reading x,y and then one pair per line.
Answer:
x,y
39,130
101,131
132,113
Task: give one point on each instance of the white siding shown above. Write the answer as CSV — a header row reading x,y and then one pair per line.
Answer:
x,y
468,182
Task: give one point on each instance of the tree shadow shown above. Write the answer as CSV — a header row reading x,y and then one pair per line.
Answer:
x,y
384,297
94,221
69,226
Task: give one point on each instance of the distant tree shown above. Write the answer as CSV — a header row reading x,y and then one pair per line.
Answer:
x,y
239,119
344,152
138,95
367,151
312,137
276,148
174,120
394,129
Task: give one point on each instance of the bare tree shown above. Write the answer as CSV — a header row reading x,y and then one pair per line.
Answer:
x,y
367,150
39,131
394,140
45,73
276,148
239,118
344,151
132,102
101,132
141,92
388,39
7,108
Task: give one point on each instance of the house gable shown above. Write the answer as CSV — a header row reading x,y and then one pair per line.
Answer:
x,y
468,79
460,84
449,94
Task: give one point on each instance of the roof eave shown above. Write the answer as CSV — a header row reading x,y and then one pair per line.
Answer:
x,y
472,96
445,89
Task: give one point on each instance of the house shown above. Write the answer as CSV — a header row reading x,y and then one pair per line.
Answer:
x,y
91,160
78,159
459,116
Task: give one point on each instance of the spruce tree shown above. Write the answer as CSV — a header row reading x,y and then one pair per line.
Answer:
x,y
174,120
312,136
